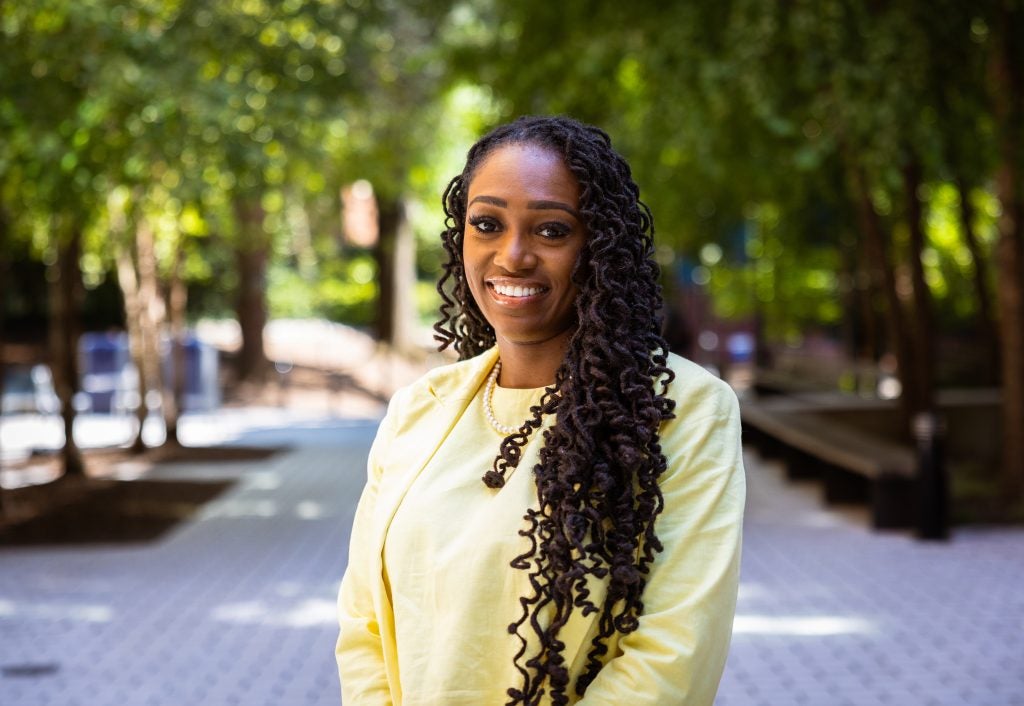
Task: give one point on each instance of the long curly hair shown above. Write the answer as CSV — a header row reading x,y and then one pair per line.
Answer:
x,y
597,475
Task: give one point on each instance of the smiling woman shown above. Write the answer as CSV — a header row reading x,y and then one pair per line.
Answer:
x,y
607,573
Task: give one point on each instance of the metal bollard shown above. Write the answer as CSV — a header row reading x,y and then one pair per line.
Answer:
x,y
283,368
932,483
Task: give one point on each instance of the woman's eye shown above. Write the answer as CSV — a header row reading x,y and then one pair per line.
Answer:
x,y
554,230
484,225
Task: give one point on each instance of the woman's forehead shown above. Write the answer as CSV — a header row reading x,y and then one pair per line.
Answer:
x,y
524,171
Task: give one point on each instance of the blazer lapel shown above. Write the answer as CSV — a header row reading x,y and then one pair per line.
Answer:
x,y
426,416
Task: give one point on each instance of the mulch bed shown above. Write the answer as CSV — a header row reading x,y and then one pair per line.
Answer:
x,y
115,512
102,506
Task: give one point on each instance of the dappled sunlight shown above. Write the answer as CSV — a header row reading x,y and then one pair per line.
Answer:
x,y
21,434
802,626
751,591
242,507
305,613
241,612
309,510
823,625
79,612
267,480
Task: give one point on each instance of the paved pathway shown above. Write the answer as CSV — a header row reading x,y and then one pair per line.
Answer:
x,y
833,614
237,605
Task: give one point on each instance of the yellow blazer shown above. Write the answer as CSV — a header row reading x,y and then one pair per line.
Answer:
x,y
677,654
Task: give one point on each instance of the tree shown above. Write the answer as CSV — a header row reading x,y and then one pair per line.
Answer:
x,y
49,117
1007,86
4,277
751,107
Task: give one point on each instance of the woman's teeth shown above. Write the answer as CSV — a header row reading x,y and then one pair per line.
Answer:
x,y
510,291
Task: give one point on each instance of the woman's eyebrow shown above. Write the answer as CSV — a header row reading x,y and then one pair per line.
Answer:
x,y
558,205
533,205
493,200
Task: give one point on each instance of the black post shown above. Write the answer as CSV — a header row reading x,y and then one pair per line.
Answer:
x,y
932,483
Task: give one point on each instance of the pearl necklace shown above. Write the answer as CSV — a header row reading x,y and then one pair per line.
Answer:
x,y
492,382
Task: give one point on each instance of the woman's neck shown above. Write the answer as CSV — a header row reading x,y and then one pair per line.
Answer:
x,y
530,365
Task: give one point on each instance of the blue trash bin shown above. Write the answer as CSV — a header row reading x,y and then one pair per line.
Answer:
x,y
103,357
202,391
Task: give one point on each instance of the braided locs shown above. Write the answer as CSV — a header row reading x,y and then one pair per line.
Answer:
x,y
597,475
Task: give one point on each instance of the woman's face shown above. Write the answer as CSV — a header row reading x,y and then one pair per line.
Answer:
x,y
523,234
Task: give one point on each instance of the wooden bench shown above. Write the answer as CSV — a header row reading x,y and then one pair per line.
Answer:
x,y
774,382
854,466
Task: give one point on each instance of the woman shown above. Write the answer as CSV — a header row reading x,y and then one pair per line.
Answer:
x,y
555,518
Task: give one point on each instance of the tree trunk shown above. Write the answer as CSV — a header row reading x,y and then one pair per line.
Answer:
x,y
858,316
250,304
871,347
396,266
174,394
1008,107
982,294
128,280
1010,274
4,267
384,253
65,282
762,351
883,274
151,319
923,349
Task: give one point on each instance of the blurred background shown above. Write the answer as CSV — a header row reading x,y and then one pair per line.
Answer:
x,y
219,240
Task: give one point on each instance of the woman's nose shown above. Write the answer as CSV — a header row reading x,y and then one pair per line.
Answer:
x,y
514,253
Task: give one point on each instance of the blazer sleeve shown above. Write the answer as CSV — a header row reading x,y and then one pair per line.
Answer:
x,y
359,650
678,651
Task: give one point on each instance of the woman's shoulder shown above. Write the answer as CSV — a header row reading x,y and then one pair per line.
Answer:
x,y
698,392
702,440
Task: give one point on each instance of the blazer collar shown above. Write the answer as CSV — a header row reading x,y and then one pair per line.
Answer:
x,y
460,381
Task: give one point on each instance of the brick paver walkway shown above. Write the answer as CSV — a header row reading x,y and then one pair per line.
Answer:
x,y
833,614
233,607
236,606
